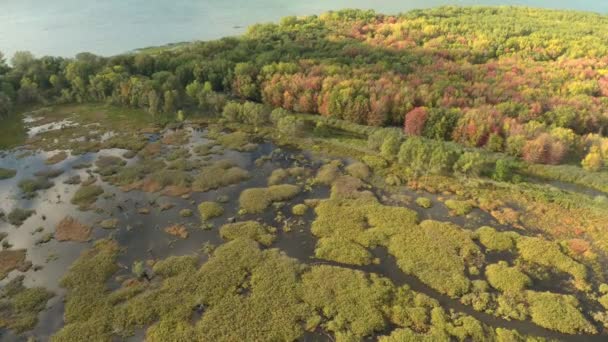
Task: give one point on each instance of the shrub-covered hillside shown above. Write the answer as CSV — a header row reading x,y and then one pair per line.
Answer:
x,y
529,82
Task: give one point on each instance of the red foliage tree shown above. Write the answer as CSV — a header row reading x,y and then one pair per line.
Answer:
x,y
415,120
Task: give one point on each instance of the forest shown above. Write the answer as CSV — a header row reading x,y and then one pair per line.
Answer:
x,y
527,82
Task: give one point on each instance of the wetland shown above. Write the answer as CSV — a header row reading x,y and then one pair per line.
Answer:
x,y
210,229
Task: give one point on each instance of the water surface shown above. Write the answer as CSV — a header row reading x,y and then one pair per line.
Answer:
x,y
66,27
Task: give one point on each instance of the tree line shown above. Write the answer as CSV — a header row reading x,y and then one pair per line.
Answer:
x,y
531,83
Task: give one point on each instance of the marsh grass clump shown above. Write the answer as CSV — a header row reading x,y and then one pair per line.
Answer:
x,y
19,306
549,254
256,200
358,170
31,186
176,265
177,137
204,149
12,260
161,179
248,229
424,202
299,209
558,312
444,269
87,308
186,213
69,229
352,302
17,216
343,251
7,173
49,173
496,241
209,210
221,173
56,158
86,196
109,165
459,208
279,176
505,278
363,223
328,173
127,141
178,153
239,141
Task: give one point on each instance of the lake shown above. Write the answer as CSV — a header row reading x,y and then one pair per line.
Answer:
x,y
66,27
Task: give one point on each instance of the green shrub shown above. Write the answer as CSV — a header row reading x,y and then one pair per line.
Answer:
x,y
424,202
460,208
209,210
505,278
299,209
232,111
290,126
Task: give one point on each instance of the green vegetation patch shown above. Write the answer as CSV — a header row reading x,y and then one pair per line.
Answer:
x,y
424,202
347,228
221,173
358,170
7,173
19,306
351,302
248,229
31,186
209,210
505,278
299,209
256,200
88,311
56,158
443,269
86,196
493,240
239,141
17,216
558,312
460,208
328,173
109,165
549,254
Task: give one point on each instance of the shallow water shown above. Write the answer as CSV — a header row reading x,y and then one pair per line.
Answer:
x,y
67,27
